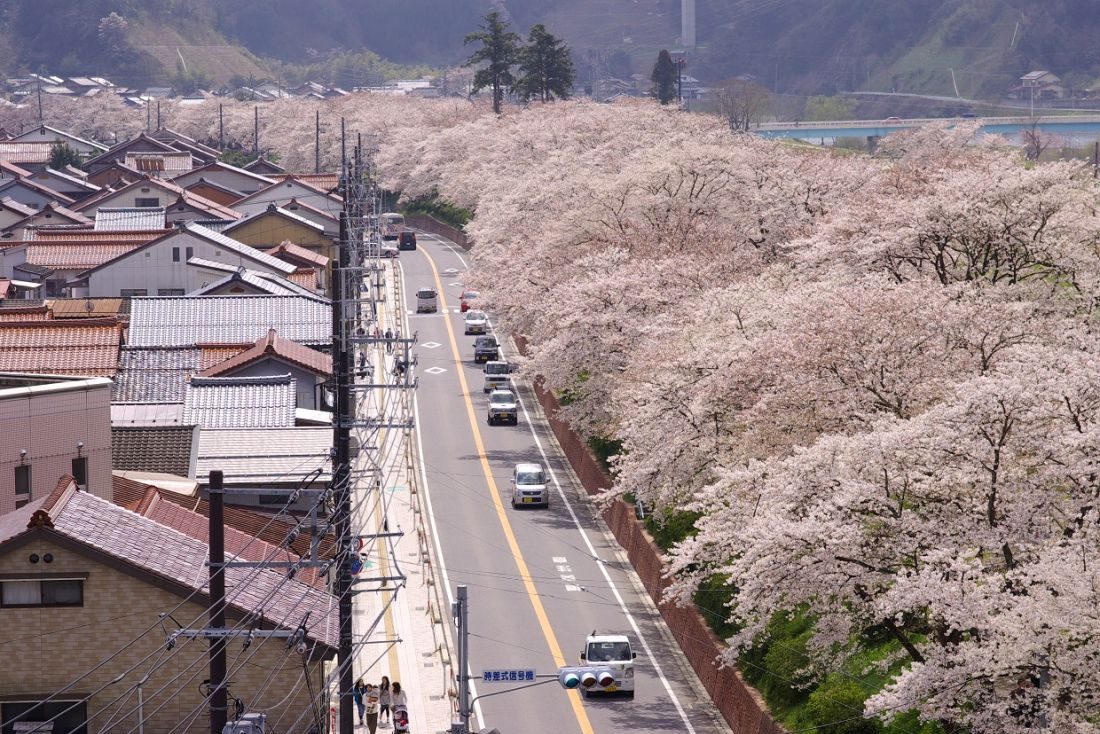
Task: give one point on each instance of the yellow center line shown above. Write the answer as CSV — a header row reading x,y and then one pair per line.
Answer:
x,y
502,515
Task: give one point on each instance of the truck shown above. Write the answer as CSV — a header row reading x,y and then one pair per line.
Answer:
x,y
610,652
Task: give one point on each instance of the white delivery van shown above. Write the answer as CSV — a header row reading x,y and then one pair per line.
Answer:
x,y
427,301
613,654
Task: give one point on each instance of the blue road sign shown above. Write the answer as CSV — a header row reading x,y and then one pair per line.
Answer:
x,y
507,676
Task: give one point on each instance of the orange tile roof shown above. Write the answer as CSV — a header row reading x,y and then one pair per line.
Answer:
x,y
326,181
212,354
305,277
87,347
84,308
25,152
74,255
293,251
140,236
29,313
274,345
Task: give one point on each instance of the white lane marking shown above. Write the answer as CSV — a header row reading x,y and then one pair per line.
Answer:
x,y
599,561
435,533
431,345
435,370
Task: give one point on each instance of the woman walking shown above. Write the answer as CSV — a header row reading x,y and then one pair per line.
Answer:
x,y
384,701
357,692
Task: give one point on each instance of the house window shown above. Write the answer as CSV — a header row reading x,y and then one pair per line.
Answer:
x,y
22,485
147,202
71,716
190,252
175,254
15,593
272,499
169,291
80,471
133,292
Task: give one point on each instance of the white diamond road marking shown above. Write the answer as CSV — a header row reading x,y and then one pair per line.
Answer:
x,y
435,370
431,345
456,283
450,271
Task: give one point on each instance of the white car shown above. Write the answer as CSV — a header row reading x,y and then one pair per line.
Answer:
x,y
503,407
529,486
613,654
497,375
476,322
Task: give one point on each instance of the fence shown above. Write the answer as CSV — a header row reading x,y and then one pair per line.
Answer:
x,y
738,702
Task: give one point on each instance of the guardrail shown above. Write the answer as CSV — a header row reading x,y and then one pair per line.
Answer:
x,y
916,122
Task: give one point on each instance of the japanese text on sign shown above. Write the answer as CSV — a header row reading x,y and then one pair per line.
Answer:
x,y
501,676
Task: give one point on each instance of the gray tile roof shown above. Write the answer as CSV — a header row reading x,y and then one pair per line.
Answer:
x,y
178,557
241,248
165,449
154,375
273,284
266,456
240,402
116,219
191,320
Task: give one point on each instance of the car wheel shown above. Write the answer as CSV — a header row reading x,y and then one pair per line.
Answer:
x,y
513,503
630,694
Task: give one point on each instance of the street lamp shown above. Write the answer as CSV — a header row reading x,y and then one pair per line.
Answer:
x,y
680,79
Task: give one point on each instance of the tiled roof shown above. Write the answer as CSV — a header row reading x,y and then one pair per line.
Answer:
x,y
290,251
15,206
264,164
190,320
175,556
264,282
266,456
274,209
323,181
89,236
305,277
13,169
73,216
60,255
154,375
87,347
239,247
175,163
212,354
85,308
25,152
167,449
240,402
117,219
27,183
276,347
24,313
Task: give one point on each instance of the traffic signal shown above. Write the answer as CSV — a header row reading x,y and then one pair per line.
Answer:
x,y
585,676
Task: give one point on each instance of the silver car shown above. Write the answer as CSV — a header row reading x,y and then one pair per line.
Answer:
x,y
476,322
503,407
529,486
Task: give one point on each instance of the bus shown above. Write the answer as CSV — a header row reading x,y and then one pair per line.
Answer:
x,y
393,224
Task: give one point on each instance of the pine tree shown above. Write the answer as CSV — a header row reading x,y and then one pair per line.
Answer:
x,y
546,70
499,50
664,78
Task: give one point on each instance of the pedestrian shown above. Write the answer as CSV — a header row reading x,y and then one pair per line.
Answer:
x,y
389,341
370,703
357,692
397,696
384,696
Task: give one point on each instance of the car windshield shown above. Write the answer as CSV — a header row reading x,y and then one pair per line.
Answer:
x,y
425,293
486,341
502,396
605,652
496,368
530,477
469,295
475,316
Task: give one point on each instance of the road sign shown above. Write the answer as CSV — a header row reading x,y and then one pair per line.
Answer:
x,y
507,676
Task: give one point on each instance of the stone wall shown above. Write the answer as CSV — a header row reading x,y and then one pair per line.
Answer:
x,y
434,226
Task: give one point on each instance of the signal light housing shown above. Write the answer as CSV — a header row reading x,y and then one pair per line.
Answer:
x,y
585,677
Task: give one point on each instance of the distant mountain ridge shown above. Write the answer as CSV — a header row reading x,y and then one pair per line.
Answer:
x,y
973,48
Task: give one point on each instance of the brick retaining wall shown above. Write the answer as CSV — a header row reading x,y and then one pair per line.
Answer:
x,y
433,225
738,702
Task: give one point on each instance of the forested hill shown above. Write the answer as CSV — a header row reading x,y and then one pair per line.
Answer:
x,y
801,46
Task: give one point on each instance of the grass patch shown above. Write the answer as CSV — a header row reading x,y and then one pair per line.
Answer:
x,y
440,210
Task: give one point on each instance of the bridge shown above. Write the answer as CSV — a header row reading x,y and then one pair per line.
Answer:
x,y
1073,129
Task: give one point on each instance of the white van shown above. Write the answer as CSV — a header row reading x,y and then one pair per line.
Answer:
x,y
427,301
612,653
529,486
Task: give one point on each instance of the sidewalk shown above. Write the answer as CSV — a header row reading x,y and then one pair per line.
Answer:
x,y
410,638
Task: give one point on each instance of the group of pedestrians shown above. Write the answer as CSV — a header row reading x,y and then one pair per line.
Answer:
x,y
375,701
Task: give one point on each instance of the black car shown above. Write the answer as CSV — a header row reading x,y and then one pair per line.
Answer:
x,y
486,349
407,241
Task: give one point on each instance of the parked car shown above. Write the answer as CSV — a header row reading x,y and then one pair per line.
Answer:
x,y
529,486
503,407
486,348
407,240
476,322
497,375
466,299
427,301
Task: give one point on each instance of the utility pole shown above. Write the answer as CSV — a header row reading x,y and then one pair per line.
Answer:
x,y
221,126
158,114
256,129
460,610
317,142
39,99
341,463
219,707
1096,159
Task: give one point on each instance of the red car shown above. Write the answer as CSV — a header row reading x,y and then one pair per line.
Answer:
x,y
466,299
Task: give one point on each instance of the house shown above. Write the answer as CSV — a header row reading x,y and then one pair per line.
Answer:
x,y
1040,85
130,218
266,459
112,175
160,165
53,425
143,143
12,211
64,183
87,308
74,561
161,266
327,182
88,347
204,154
61,256
165,449
230,280
291,189
9,171
47,134
261,401
273,355
20,291
273,225
215,191
194,320
225,175
52,216
264,167
180,205
35,195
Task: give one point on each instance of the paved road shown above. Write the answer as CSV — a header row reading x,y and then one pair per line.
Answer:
x,y
539,580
